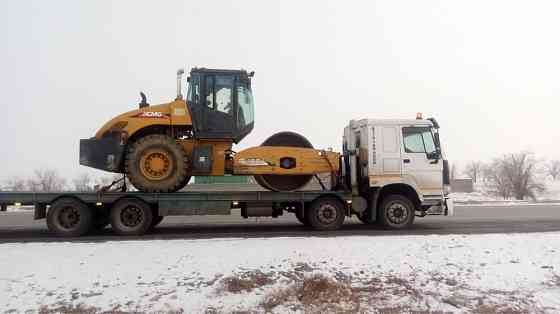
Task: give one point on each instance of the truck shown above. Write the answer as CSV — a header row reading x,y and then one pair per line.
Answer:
x,y
389,171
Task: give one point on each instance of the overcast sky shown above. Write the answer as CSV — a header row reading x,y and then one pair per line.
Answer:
x,y
488,70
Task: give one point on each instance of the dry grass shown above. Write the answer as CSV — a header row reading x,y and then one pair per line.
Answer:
x,y
245,282
317,294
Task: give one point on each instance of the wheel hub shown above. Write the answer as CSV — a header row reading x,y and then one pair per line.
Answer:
x,y
327,214
131,216
397,213
156,165
69,217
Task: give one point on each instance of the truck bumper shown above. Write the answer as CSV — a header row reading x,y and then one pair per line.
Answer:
x,y
104,154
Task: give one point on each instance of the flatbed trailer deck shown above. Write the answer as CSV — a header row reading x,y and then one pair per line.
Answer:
x,y
76,213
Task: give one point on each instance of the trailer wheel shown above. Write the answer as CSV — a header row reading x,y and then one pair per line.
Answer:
x,y
326,213
396,212
131,217
69,217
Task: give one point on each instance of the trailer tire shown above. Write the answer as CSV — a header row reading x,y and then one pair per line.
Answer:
x,y
131,217
325,213
69,217
396,212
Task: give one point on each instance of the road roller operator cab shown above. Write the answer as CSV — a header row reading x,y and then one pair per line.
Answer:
x,y
220,103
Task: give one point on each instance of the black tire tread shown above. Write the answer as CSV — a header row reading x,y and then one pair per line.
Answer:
x,y
180,175
86,218
396,197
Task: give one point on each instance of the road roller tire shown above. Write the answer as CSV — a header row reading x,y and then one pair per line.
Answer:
x,y
284,183
157,163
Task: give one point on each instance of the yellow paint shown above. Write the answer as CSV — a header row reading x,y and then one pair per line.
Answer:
x,y
172,114
308,161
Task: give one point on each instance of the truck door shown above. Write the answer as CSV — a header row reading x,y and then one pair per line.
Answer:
x,y
419,165
391,157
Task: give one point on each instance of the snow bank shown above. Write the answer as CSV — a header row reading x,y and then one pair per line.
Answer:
x,y
456,273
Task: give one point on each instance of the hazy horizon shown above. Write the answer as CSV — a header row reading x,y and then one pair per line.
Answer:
x,y
486,70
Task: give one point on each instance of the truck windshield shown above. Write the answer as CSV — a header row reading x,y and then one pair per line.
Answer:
x,y
245,111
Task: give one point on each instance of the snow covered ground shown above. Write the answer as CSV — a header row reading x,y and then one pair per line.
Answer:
x,y
454,273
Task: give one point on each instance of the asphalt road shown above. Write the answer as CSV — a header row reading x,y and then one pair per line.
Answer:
x,y
20,226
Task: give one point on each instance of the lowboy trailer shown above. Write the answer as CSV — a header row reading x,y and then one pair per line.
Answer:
x,y
134,213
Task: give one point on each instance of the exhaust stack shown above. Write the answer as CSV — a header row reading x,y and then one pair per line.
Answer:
x,y
180,73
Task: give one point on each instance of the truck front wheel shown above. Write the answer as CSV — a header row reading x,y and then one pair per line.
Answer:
x,y
396,212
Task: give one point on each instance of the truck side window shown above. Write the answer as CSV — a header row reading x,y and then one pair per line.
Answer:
x,y
414,140
418,140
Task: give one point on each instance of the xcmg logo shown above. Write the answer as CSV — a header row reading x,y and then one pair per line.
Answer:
x,y
152,115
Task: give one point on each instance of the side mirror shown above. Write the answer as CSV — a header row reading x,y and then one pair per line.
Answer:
x,y
436,155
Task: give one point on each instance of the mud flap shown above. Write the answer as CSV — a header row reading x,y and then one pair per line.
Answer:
x,y
449,207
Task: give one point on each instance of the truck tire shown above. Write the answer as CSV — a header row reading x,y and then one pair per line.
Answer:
x,y
325,213
396,212
157,163
131,217
69,217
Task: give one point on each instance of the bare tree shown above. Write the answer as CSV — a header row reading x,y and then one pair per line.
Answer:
x,y
15,184
514,175
46,180
496,179
553,169
474,170
83,183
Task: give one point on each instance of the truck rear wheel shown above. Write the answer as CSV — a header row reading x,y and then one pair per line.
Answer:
x,y
325,213
396,212
69,217
157,163
131,217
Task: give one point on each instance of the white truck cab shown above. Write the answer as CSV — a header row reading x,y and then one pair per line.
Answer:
x,y
399,167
